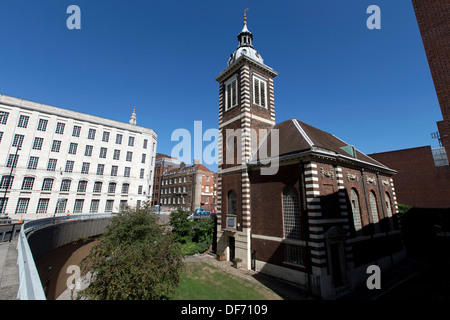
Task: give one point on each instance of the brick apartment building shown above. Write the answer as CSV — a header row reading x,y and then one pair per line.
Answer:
x,y
188,187
163,162
329,210
423,178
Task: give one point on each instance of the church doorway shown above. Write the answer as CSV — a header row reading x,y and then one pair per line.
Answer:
x,y
231,246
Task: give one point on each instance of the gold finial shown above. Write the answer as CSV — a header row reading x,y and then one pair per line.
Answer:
x,y
245,16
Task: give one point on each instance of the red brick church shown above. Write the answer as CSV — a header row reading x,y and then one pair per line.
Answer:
x,y
322,215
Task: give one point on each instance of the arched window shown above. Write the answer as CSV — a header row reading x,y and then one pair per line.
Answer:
x,y
387,200
231,203
291,214
354,200
373,207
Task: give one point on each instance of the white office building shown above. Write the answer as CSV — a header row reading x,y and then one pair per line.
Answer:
x,y
55,161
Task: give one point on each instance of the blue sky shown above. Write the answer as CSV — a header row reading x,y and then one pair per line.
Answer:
x,y
371,88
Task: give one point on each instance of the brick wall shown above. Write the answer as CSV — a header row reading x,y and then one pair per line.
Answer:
x,y
433,18
418,182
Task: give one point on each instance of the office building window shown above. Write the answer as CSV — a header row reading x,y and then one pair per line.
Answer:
x,y
105,137
27,183
18,140
114,171
119,139
109,206
100,169
94,206
23,122
73,148
131,141
112,187
82,184
65,185
37,145
103,152
42,206
97,187
60,127
126,172
6,182
51,166
32,163
85,167
47,184
12,161
76,131
129,156
125,188
91,134
56,145
22,205
116,155
78,207
42,125
88,151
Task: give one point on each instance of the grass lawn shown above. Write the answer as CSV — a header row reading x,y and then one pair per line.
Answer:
x,y
201,281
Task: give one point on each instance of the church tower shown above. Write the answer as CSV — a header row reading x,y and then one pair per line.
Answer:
x,y
246,113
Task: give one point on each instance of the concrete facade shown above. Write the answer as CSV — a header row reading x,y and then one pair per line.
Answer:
x,y
69,162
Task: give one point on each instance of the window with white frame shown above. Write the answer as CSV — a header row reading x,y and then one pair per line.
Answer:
x,y
105,137
91,134
119,139
97,187
42,205
88,151
231,93
12,160
103,152
82,184
94,206
4,117
18,140
116,155
22,205
259,91
60,128
32,163
69,166
109,206
37,144
6,182
51,166
114,171
23,122
73,148
100,169
27,183
56,145
85,167
65,185
42,125
125,187
129,156
47,184
131,141
78,206
112,187
76,131
126,172
61,205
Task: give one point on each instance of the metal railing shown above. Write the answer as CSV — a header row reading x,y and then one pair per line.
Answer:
x,y
30,286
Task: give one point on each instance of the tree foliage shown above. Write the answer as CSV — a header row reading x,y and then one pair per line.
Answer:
x,y
193,235
133,260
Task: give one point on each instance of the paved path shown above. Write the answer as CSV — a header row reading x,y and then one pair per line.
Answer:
x,y
9,270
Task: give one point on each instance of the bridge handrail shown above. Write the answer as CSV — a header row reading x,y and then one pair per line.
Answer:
x,y
30,286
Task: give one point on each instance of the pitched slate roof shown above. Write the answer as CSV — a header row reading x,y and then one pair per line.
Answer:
x,y
296,137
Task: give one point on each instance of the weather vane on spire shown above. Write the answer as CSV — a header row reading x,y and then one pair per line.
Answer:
x,y
245,16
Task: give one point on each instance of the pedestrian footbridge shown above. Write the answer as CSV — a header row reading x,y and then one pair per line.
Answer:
x,y
21,280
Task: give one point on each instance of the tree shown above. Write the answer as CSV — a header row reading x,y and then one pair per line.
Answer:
x,y
193,235
133,260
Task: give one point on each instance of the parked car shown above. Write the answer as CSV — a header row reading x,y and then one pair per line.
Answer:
x,y
200,213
